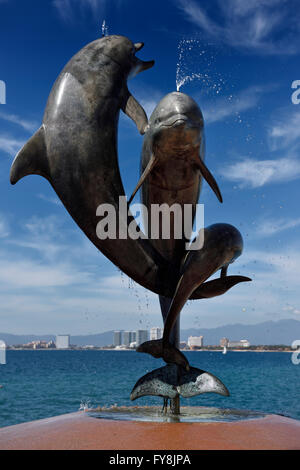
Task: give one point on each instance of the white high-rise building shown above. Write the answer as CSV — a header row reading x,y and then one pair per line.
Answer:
x,y
195,342
62,341
117,338
242,343
127,338
141,336
156,333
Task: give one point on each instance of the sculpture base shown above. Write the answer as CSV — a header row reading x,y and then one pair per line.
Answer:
x,y
188,414
82,431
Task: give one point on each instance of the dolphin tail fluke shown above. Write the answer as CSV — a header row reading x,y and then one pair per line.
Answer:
x,y
170,381
169,353
31,159
217,286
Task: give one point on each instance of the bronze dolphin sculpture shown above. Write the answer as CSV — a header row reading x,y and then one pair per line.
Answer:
x,y
75,149
172,163
172,167
222,245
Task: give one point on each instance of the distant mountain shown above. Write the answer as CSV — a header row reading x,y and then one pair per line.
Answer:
x,y
267,333
270,332
101,339
22,339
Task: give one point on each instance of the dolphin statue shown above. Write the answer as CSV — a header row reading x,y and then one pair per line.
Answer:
x,y
223,244
172,163
172,169
75,149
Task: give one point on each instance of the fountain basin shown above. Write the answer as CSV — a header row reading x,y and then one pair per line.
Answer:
x,y
188,414
81,431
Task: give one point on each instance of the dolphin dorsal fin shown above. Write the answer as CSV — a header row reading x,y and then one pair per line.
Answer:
x,y
31,159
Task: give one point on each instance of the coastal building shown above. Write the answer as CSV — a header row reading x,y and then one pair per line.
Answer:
x,y
133,336
62,341
224,342
243,343
127,338
195,342
141,336
117,338
156,333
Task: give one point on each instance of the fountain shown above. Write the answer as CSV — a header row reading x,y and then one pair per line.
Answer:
x,y
75,150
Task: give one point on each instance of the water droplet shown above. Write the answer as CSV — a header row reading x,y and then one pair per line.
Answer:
x,y
104,29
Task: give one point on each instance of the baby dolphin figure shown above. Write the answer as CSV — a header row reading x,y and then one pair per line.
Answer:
x,y
223,244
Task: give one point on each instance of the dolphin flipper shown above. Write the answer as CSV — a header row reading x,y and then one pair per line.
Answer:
x,y
217,286
170,381
136,112
31,159
209,178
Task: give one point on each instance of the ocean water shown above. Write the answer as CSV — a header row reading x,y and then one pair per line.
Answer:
x,y
40,384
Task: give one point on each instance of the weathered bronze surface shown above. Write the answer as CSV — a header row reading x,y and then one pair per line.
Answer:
x,y
172,168
75,149
170,381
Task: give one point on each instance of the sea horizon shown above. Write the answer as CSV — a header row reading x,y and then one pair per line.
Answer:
x,y
37,385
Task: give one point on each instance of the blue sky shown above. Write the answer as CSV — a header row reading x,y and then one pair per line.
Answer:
x,y
244,57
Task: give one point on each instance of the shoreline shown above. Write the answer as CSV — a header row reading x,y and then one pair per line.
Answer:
x,y
133,350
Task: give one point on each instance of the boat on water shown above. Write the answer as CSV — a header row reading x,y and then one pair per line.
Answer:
x,y
224,350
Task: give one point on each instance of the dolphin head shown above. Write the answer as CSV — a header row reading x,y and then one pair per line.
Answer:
x,y
177,125
176,130
123,51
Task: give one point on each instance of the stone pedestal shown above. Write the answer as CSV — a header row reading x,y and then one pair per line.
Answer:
x,y
82,431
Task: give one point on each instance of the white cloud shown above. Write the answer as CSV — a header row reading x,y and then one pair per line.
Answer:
x,y
25,273
250,25
286,130
27,125
256,173
271,227
66,7
232,106
291,309
10,145
69,10
53,200
4,227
